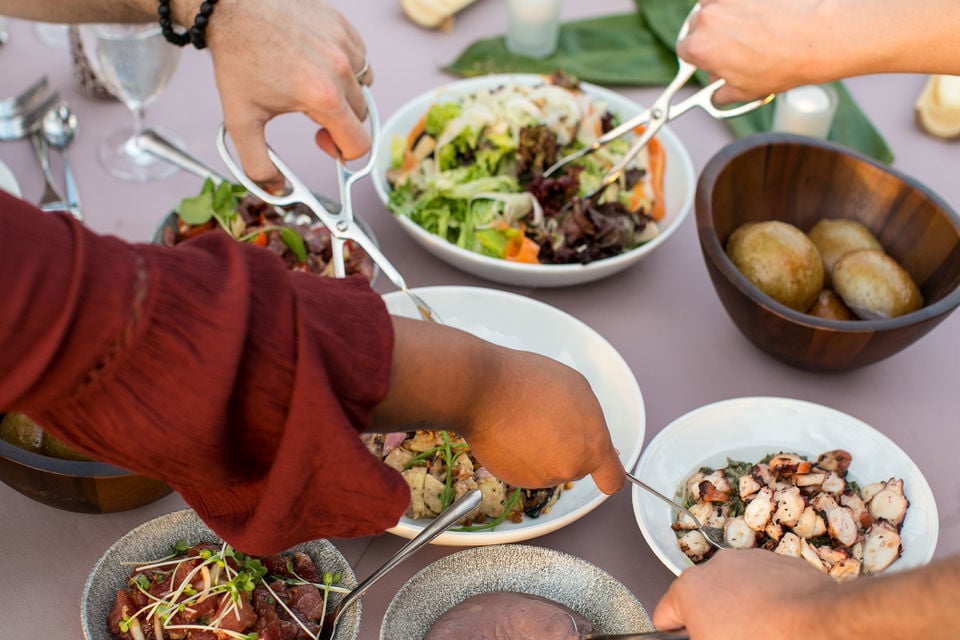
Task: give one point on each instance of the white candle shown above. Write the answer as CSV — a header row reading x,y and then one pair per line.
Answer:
x,y
533,27
806,111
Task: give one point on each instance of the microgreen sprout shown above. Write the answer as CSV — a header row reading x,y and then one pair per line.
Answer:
x,y
222,573
221,203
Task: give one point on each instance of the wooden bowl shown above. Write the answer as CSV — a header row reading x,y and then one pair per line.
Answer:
x,y
800,180
74,485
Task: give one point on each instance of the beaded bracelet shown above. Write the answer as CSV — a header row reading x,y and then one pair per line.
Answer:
x,y
195,35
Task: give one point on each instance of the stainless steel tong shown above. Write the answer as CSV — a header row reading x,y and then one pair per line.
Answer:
x,y
661,112
336,216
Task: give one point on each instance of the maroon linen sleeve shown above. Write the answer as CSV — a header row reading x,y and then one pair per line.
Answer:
x,y
209,366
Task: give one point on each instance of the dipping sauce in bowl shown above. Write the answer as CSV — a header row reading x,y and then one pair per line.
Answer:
x,y
509,614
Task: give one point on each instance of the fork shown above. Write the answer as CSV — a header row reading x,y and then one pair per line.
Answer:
x,y
713,535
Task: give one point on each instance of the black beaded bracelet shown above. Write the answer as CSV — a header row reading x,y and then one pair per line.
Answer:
x,y
195,35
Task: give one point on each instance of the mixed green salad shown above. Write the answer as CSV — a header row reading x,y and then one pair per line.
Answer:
x,y
471,171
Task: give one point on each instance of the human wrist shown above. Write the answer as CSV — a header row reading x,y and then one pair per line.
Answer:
x,y
186,22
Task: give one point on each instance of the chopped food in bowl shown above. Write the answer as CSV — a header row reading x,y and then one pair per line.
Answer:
x,y
797,507
866,506
302,244
440,468
464,174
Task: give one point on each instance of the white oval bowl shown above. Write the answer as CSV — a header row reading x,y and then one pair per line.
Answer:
x,y
679,187
522,323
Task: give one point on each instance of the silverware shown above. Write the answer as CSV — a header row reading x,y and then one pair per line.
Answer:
x,y
713,535
52,199
59,127
24,124
161,147
17,105
454,513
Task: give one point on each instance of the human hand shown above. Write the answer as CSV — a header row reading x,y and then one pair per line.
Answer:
x,y
282,56
532,421
751,593
760,47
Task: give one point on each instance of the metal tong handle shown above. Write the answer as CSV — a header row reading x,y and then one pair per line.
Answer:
x,y
347,177
457,511
659,115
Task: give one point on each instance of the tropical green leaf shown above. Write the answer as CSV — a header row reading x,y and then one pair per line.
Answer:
x,y
613,50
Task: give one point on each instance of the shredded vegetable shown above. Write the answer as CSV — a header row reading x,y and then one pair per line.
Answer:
x,y
471,171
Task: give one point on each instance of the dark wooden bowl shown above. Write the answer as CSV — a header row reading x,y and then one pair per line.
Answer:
x,y
74,485
801,180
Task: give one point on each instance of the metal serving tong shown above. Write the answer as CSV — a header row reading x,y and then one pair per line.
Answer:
x,y
337,217
659,114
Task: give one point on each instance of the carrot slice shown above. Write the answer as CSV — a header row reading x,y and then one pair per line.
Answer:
x,y
520,248
657,164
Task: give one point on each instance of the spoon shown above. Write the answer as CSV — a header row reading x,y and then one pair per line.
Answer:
x,y
713,535
59,127
454,513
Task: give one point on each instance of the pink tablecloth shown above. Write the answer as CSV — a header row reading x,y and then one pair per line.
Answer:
x,y
662,316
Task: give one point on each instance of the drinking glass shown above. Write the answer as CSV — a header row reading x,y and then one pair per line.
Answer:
x,y
135,63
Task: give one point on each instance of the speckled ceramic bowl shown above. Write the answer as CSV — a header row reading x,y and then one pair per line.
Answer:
x,y
547,573
153,539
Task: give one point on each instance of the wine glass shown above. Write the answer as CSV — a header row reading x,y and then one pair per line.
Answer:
x,y
135,63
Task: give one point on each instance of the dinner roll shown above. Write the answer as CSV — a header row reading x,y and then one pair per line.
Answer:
x,y
835,237
779,259
874,285
831,307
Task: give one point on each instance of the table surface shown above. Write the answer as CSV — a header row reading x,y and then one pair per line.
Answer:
x,y
697,357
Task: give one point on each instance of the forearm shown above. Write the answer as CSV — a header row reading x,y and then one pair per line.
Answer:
x,y
891,36
912,604
80,11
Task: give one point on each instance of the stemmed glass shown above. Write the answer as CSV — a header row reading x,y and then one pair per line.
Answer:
x,y
135,63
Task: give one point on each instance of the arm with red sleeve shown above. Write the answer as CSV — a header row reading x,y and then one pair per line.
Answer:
x,y
209,366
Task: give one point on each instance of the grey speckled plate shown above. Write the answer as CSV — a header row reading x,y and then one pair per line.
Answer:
x,y
153,539
547,573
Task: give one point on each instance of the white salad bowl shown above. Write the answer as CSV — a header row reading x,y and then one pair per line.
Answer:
x,y
518,322
679,185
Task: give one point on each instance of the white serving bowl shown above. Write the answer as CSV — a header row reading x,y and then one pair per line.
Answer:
x,y
747,429
522,323
679,186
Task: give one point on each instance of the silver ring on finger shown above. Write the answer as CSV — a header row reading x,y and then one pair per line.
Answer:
x,y
360,75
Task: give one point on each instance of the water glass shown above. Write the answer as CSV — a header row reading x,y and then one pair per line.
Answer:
x,y
533,27
135,62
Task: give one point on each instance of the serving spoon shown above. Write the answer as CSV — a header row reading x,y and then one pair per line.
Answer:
x,y
59,128
713,535
453,514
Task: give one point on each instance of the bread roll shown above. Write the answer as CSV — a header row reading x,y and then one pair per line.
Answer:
x,y
830,307
779,259
835,237
874,285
